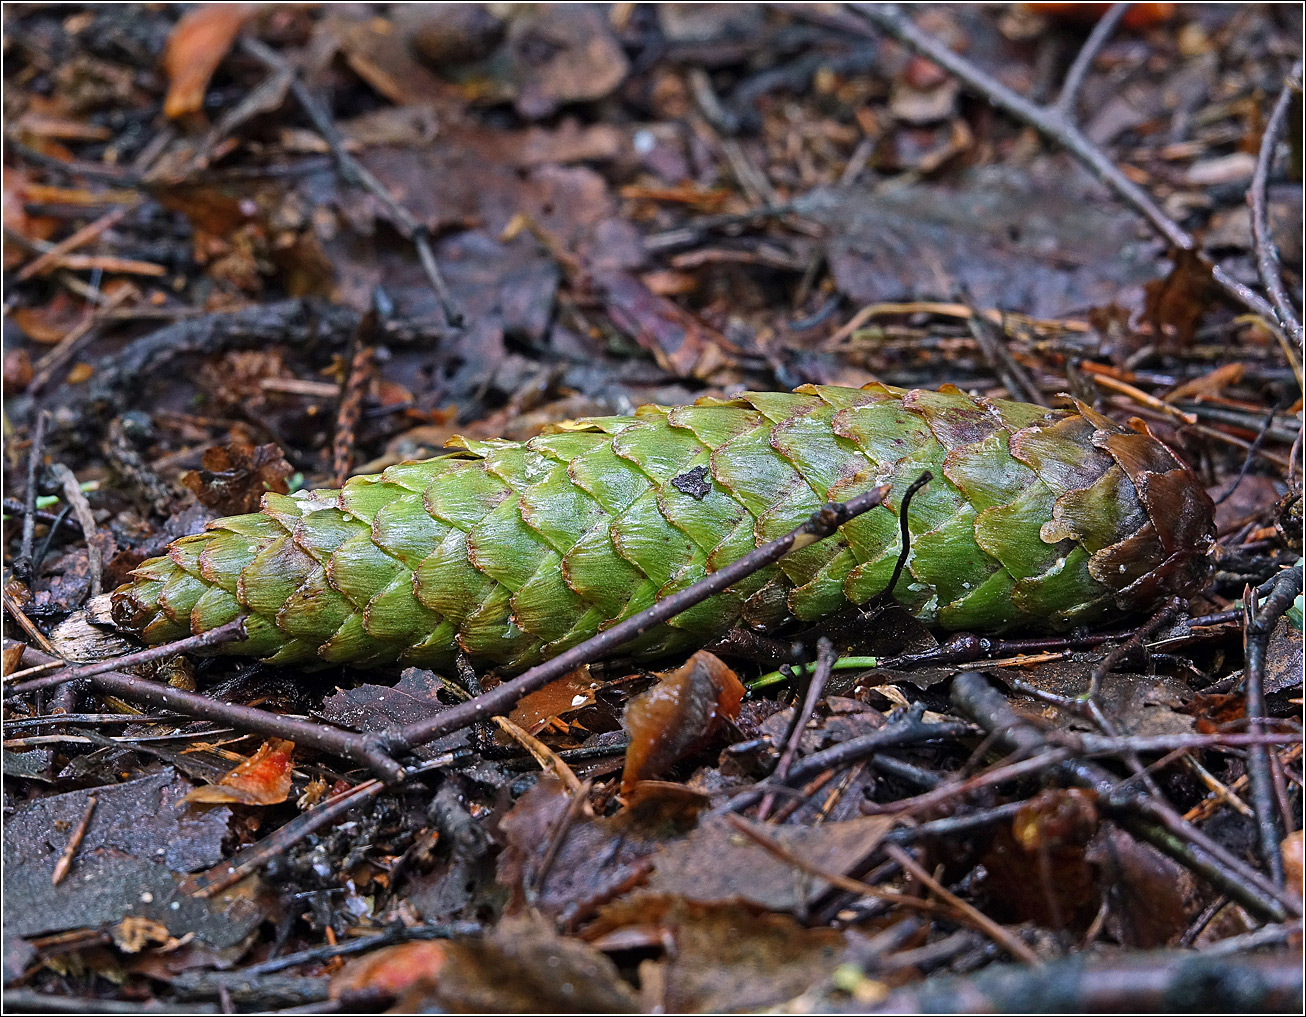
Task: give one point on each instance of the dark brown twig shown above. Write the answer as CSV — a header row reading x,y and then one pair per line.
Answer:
x,y
233,631
356,173
72,491
904,535
1146,817
363,748
1053,125
1267,255
503,698
24,563
258,854
825,658
1259,623
1102,31
910,729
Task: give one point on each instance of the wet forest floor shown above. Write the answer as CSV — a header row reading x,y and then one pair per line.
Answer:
x,y
254,248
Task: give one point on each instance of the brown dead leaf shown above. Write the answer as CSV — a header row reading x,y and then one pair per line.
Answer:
x,y
569,693
717,862
262,779
568,861
1292,861
16,220
562,54
1037,868
1175,304
523,966
392,970
720,957
198,43
235,476
678,715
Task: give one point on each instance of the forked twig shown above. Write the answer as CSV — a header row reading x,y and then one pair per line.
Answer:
x,y
1052,123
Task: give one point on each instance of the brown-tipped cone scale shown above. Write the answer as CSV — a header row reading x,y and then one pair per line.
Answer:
x,y
1036,519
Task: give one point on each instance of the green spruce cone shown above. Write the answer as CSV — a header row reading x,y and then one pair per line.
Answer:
x,y
513,552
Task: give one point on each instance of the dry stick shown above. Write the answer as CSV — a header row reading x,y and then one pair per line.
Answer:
x,y
24,564
1150,819
1118,653
28,626
1259,623
825,658
502,698
258,854
350,407
231,632
356,173
1267,255
363,748
1102,31
1052,124
82,236
82,509
65,863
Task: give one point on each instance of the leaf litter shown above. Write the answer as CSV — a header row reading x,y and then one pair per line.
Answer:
x,y
633,204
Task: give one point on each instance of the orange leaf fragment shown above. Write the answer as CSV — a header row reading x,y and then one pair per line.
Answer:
x,y
262,779
1138,17
392,970
681,712
196,46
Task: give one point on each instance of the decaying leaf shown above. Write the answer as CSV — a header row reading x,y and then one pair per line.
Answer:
x,y
719,957
262,779
718,862
235,477
567,862
392,970
523,966
677,715
197,45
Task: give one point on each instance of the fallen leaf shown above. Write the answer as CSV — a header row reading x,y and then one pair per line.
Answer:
x,y
567,861
234,477
262,779
1292,861
198,43
678,715
717,862
720,957
392,970
522,966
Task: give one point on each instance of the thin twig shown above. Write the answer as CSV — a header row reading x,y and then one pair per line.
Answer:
x,y
973,915
81,508
232,631
1151,819
356,173
363,748
81,237
1102,31
825,658
258,854
1050,122
1267,255
65,863
24,564
502,698
1258,624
